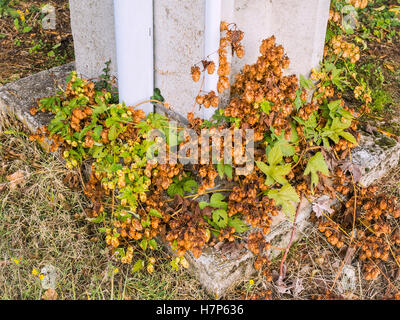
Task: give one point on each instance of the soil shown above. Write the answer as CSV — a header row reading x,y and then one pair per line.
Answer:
x,y
23,54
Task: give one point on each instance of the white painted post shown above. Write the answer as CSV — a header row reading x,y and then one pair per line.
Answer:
x,y
92,23
135,57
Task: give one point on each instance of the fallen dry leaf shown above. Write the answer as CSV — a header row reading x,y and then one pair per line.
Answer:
x,y
50,294
323,204
348,166
389,66
16,179
298,287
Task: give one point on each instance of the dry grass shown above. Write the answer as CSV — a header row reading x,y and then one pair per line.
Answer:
x,y
42,223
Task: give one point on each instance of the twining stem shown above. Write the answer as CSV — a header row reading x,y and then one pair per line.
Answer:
x,y
303,153
207,192
81,178
147,101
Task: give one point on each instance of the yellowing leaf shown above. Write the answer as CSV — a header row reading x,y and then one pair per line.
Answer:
x,y
389,66
184,263
139,265
381,8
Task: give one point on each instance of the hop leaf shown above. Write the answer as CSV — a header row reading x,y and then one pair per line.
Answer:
x,y
224,169
284,197
275,172
275,156
220,217
190,186
239,225
175,189
139,265
157,95
155,213
216,201
316,164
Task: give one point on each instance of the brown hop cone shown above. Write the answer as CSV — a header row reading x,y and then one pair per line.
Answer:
x,y
215,101
195,73
224,26
240,51
211,67
200,100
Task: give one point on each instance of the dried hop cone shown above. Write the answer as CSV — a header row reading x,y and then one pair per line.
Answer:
x,y
196,73
240,51
211,67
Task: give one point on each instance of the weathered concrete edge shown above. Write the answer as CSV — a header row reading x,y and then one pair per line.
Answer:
x,y
18,97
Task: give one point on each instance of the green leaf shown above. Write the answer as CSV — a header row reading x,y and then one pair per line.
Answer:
x,y
190,186
220,218
274,173
266,107
336,129
275,155
203,204
217,202
298,103
278,173
284,197
217,197
239,225
113,133
306,83
27,29
155,213
96,135
175,189
316,164
349,137
146,223
229,171
157,95
263,167
221,169
153,244
286,146
139,265
98,219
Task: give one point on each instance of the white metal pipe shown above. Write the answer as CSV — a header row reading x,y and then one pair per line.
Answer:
x,y
212,36
135,52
